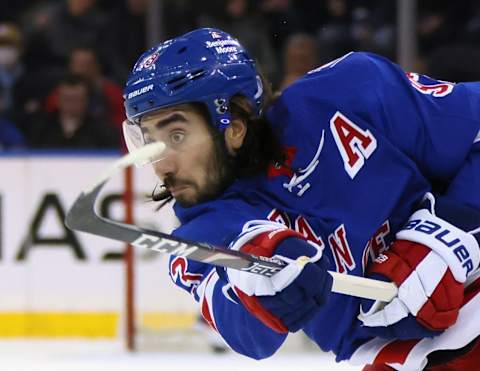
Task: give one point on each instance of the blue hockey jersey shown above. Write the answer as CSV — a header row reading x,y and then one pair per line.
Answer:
x,y
365,141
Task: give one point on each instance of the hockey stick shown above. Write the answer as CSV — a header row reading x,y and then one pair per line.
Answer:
x,y
82,216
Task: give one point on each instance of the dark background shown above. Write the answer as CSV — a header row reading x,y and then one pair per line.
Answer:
x,y
63,63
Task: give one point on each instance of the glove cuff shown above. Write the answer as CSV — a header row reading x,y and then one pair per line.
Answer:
x,y
267,243
459,249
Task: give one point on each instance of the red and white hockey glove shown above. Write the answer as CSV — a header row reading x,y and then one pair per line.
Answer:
x,y
290,298
429,262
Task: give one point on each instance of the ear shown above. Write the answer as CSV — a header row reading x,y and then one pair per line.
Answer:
x,y
235,135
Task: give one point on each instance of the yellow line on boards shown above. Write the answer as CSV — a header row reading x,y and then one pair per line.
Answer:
x,y
87,324
168,320
59,324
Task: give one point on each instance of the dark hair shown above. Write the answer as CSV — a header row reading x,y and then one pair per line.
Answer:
x,y
261,147
72,79
91,48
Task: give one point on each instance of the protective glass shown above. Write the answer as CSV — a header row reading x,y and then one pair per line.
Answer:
x,y
176,143
134,139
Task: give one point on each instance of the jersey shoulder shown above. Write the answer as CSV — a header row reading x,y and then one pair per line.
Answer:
x,y
327,88
348,70
304,110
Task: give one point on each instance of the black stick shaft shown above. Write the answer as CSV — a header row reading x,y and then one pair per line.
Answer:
x,y
82,217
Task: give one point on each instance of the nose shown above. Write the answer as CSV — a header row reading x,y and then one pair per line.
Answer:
x,y
165,167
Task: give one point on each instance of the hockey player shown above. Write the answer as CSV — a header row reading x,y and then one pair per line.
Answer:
x,y
363,168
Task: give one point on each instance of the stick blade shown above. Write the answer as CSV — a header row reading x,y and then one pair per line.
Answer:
x,y
81,215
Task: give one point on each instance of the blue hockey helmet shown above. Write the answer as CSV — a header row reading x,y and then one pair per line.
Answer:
x,y
205,65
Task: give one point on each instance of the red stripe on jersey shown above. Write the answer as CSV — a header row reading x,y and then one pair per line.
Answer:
x,y
465,362
206,314
395,352
253,305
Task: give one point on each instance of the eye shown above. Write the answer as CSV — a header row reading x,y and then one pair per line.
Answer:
x,y
177,137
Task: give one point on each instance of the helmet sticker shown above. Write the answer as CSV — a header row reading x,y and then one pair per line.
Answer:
x,y
224,46
221,106
148,62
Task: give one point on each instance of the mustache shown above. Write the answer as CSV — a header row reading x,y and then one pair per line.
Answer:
x,y
171,182
161,191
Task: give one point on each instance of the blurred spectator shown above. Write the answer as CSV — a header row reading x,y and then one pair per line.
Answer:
x,y
10,136
10,10
33,57
71,126
181,16
10,68
335,33
454,63
53,29
310,13
472,26
238,19
373,26
23,90
441,22
125,36
299,57
282,19
106,103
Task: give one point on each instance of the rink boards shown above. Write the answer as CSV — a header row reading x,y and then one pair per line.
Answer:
x,y
54,282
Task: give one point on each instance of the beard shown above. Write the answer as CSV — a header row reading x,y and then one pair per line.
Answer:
x,y
219,172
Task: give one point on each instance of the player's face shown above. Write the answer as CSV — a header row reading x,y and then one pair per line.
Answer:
x,y
195,166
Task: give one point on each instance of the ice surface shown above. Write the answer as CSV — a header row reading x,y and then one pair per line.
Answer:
x,y
87,355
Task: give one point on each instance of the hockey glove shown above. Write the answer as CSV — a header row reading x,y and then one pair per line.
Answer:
x,y
429,262
289,299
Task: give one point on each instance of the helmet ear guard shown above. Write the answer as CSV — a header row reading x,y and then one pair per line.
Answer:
x,y
222,112
206,66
